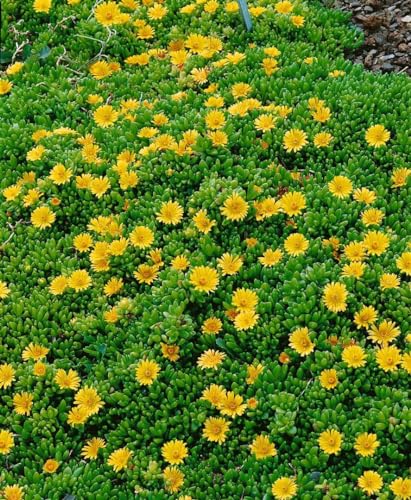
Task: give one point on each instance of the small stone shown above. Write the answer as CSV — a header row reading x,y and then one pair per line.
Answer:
x,y
406,19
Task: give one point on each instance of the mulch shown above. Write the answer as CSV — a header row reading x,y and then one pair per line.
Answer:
x,y
387,30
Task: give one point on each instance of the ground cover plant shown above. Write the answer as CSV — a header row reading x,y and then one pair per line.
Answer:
x,y
205,255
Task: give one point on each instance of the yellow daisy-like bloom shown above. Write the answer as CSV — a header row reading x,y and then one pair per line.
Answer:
x,y
364,195
253,372
212,326
388,358
370,482
107,13
215,119
244,299
118,459
246,319
355,251
365,317
322,139
284,487
401,488
262,448
384,333
100,70
42,217
322,114
406,362
330,441
204,279
35,153
377,136
170,352
11,192
214,394
294,140
389,280
354,356
35,352
284,7
118,247
215,429
218,138
296,244
298,21
105,116
271,257
7,375
42,6
329,379
141,237
113,286
4,290
300,341
229,264
14,68
173,478
88,398
50,466
170,213
146,274
293,203
147,371
232,405
403,263
340,186
353,270
67,380
174,452
99,186
79,280
6,442
335,297
78,415
13,492
366,444
180,263
210,359
376,243
264,123
235,207
59,174
22,403
91,448
39,369
202,222
400,176
82,242
372,217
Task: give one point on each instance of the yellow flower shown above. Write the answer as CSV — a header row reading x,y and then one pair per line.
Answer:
x,y
180,263
294,140
214,394
14,68
401,488
58,285
13,492
364,195
210,359
406,362
7,375
59,174
330,442
170,213
335,297
389,280
229,264
34,351
377,136
67,380
88,398
376,242
384,333
108,13
365,317
340,186
271,257
296,244
366,444
173,478
204,279
235,207
388,358
42,5
79,280
142,237
246,319
403,263
253,372
99,186
372,217
4,290
370,482
42,217
82,242
35,153
100,70
328,379
147,371
298,21
105,116
174,452
6,442
354,356
78,415
284,487
50,466
215,429
170,351
215,119
91,448
355,251
22,403
232,404
300,341
293,203
353,270
218,138
212,325
39,369
399,177
261,447
146,274
284,7
202,222
119,458
113,286
244,299
264,123
11,192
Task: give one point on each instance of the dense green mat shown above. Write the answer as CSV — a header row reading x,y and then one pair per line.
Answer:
x,y
205,255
